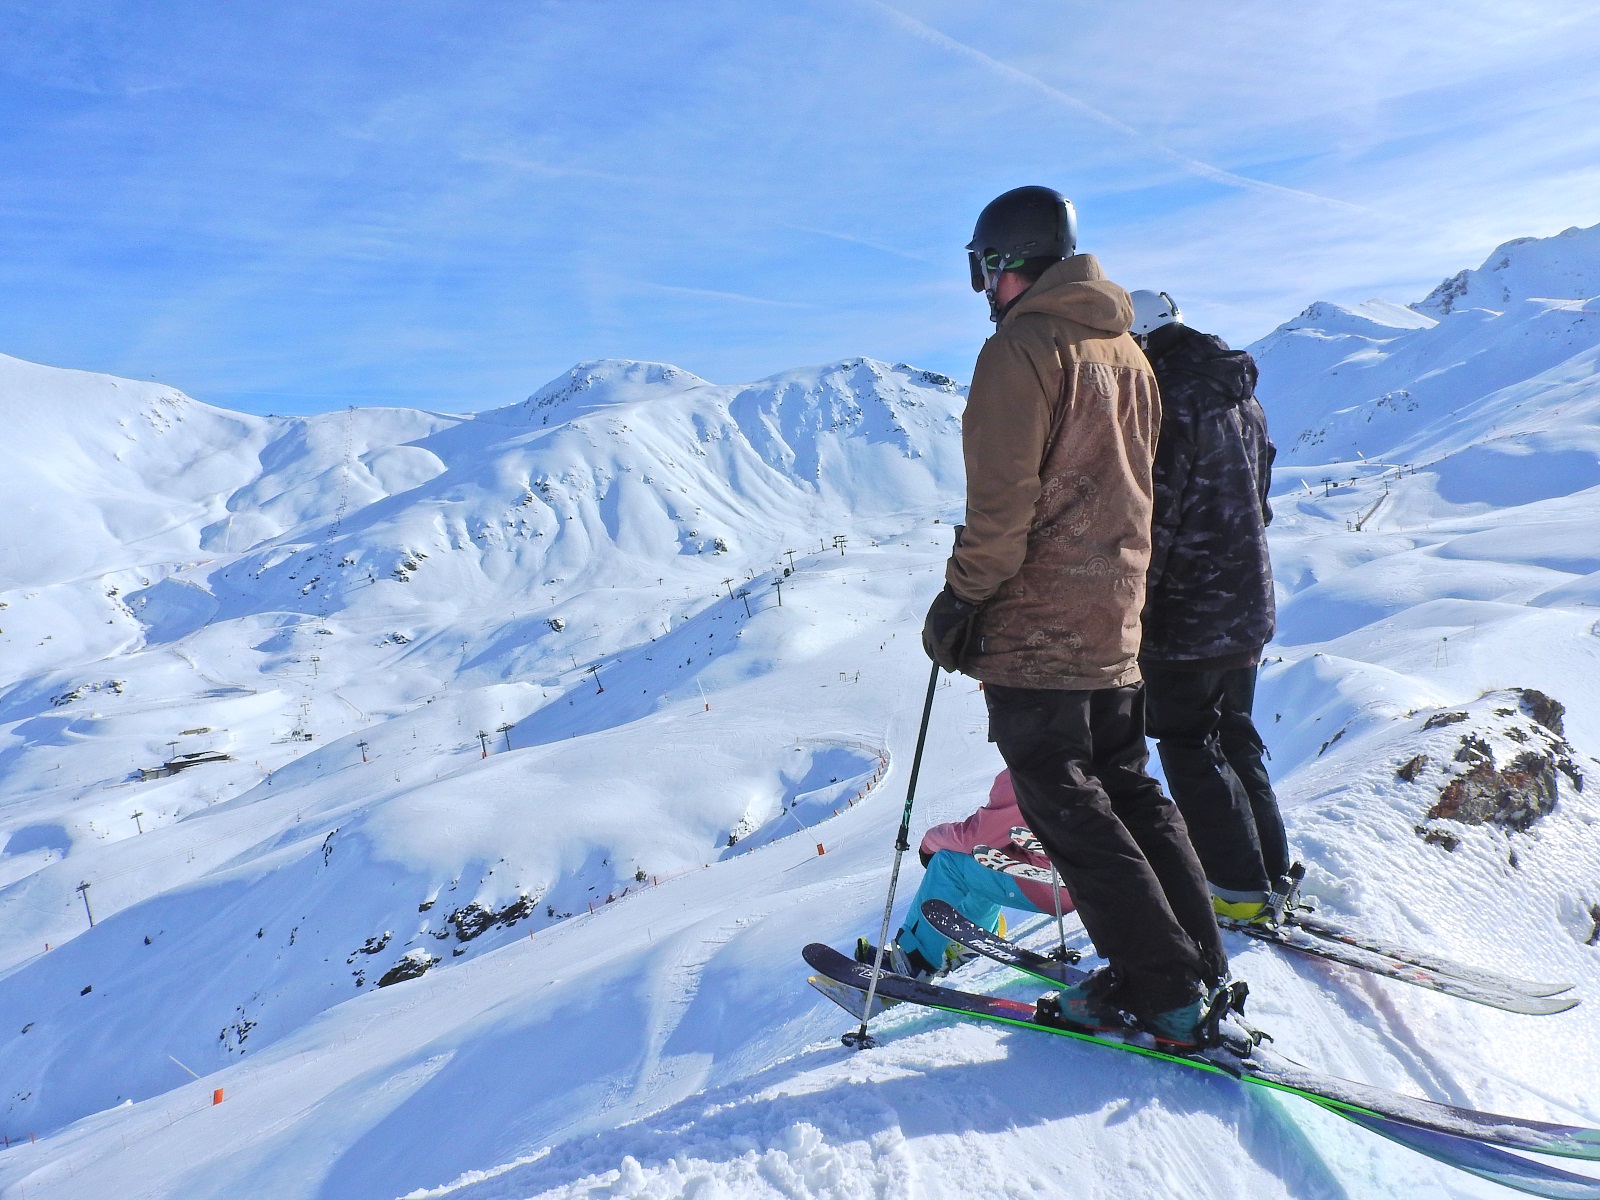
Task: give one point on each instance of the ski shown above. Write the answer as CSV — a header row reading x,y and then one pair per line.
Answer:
x,y
1336,931
1480,987
944,917
846,997
1466,1154
1254,1065
1304,917
1292,937
1480,1159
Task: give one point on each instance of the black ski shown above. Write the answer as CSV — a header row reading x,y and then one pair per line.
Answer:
x,y
1302,916
846,997
943,917
1293,937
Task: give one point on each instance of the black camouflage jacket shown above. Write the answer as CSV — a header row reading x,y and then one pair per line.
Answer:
x,y
1209,586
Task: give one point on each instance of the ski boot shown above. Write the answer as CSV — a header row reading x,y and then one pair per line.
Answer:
x,y
1214,1018
1242,908
1285,895
1089,1005
895,960
955,955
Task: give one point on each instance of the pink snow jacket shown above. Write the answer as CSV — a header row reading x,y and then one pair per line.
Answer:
x,y
991,826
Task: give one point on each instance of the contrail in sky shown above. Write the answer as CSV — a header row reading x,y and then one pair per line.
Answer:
x,y
1193,165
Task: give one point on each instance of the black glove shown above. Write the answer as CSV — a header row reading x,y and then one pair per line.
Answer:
x,y
948,628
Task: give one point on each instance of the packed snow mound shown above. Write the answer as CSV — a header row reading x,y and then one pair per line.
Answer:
x,y
1566,266
1379,381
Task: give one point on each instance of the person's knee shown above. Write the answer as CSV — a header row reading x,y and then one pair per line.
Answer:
x,y
1196,744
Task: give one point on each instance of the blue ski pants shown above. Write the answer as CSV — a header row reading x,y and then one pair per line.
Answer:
x,y
974,891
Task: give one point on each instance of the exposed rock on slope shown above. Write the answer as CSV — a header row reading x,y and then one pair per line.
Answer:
x,y
1501,770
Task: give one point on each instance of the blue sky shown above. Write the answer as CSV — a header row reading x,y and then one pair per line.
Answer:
x,y
299,206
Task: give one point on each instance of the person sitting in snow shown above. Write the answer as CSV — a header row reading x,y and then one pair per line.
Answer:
x,y
953,875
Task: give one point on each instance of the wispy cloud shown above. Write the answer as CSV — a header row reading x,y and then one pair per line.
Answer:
x,y
711,294
856,240
548,170
1193,166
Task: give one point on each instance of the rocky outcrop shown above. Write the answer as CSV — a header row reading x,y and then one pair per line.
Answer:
x,y
1513,798
412,965
1512,754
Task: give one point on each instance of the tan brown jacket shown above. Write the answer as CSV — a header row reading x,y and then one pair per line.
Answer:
x,y
1059,435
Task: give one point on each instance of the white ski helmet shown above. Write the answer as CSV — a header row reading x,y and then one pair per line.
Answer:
x,y
1151,310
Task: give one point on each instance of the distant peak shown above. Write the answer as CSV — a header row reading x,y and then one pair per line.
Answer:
x,y
850,372
1380,319
600,372
1563,267
595,384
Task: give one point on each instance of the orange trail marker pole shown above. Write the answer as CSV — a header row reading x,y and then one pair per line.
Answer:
x,y
216,1097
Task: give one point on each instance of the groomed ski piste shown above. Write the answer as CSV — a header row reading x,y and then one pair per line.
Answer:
x,y
247,663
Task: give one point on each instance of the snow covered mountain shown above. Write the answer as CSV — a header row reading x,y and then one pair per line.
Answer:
x,y
456,791
1497,351
374,588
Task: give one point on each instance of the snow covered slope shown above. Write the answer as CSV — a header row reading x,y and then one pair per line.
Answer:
x,y
459,916
372,590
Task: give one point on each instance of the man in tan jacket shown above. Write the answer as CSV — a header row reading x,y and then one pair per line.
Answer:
x,y
1042,603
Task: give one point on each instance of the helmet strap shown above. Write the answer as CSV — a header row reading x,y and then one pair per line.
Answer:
x,y
991,283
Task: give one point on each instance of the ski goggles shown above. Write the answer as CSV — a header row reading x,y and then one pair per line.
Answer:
x,y
987,267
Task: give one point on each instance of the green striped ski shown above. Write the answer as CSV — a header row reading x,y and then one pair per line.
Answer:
x,y
1254,1065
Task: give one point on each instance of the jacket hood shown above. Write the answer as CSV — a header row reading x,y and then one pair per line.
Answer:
x,y
1077,289
1229,376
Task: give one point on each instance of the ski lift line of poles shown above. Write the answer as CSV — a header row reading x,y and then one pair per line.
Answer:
x,y
144,863
743,594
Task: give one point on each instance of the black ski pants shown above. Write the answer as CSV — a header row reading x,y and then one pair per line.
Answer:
x,y
1212,755
1078,762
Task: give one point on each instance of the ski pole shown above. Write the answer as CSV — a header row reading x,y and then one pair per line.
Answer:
x,y
860,1039
1055,893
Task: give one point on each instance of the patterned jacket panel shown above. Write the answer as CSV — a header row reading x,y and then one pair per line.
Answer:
x,y
1209,587
1059,434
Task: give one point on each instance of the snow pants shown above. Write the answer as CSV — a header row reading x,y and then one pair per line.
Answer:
x,y
1212,755
974,891
1077,761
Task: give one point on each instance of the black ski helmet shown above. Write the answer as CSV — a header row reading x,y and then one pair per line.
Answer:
x,y
1024,223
